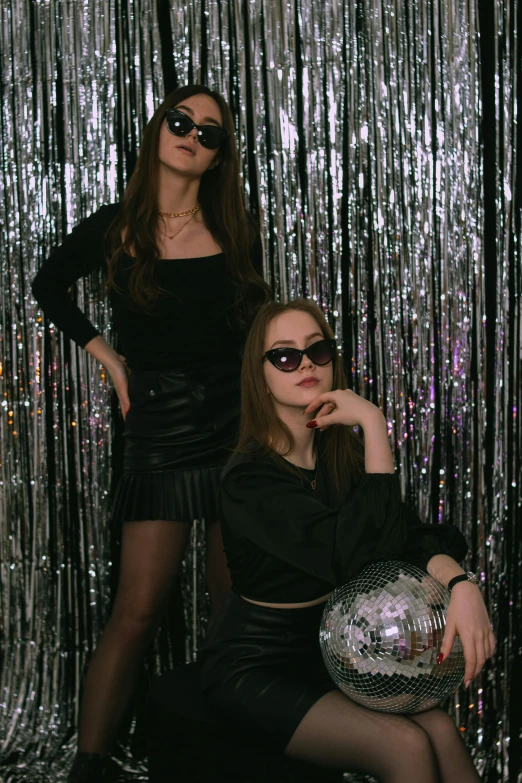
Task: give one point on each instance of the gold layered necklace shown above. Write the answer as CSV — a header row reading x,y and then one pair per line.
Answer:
x,y
190,212
180,214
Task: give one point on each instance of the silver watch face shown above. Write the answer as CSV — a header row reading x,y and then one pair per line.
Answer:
x,y
472,577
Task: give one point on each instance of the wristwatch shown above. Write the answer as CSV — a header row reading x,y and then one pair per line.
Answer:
x,y
469,576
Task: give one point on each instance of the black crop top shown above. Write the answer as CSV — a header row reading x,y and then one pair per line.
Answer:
x,y
190,326
288,543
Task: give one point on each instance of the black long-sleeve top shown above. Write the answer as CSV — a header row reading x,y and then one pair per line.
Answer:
x,y
288,543
191,323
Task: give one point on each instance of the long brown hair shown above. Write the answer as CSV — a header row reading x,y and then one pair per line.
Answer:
x,y
222,206
340,448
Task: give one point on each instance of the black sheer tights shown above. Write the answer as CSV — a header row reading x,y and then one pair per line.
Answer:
x,y
340,734
150,558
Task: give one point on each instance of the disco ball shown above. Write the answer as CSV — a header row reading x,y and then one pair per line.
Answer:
x,y
380,637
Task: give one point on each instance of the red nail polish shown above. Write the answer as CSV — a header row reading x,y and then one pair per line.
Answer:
x,y
312,424
440,658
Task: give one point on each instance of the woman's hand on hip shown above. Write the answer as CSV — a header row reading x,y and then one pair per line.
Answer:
x,y
119,373
116,366
468,617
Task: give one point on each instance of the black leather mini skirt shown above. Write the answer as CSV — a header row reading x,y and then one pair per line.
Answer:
x,y
180,430
264,667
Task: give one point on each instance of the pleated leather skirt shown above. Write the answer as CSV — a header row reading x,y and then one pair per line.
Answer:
x,y
263,667
180,430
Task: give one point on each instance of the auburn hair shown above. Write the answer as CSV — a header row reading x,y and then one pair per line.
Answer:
x,y
222,207
339,447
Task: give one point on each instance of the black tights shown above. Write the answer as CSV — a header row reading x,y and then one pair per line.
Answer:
x,y
150,558
340,734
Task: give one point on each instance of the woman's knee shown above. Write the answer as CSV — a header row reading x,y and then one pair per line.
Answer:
x,y
413,743
439,725
134,621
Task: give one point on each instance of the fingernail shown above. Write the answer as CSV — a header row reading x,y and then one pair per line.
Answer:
x,y
312,424
467,684
440,658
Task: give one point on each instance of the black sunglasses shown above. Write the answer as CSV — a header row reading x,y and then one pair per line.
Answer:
x,y
209,136
289,359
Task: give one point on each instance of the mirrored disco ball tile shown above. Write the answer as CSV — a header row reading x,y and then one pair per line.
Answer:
x,y
380,637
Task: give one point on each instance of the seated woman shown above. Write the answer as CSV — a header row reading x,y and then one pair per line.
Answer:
x,y
304,506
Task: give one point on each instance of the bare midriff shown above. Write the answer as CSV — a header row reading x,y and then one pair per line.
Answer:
x,y
303,605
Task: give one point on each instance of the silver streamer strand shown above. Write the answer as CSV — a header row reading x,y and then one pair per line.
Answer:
x,y
361,131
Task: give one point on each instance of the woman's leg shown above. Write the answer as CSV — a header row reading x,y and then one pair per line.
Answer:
x,y
454,761
150,557
340,734
218,575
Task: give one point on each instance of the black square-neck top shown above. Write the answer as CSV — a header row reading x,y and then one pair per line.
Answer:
x,y
191,324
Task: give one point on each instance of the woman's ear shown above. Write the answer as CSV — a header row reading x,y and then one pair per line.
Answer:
x,y
215,163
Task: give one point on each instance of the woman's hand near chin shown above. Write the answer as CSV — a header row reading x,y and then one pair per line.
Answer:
x,y
342,407
348,408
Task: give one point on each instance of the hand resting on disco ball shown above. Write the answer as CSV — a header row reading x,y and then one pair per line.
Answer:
x,y
380,637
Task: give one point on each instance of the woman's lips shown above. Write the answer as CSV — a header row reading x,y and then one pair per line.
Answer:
x,y
308,382
185,149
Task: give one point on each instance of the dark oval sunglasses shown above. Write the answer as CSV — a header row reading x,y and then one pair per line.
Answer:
x,y
289,359
209,136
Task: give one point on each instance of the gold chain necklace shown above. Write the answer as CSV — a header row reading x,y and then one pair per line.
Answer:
x,y
175,234
313,482
180,214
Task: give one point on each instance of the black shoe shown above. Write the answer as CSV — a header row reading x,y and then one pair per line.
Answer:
x,y
87,768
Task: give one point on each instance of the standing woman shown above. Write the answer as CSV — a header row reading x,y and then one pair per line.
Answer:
x,y
183,262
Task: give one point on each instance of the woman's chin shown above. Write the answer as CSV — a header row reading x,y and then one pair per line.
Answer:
x,y
306,396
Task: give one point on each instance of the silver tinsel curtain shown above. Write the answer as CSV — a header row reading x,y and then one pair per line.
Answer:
x,y
379,144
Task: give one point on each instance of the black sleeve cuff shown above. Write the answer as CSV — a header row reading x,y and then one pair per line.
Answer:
x,y
426,541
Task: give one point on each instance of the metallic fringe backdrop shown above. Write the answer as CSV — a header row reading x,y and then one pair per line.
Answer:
x,y
379,143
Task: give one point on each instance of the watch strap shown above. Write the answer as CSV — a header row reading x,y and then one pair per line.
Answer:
x,y
467,577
